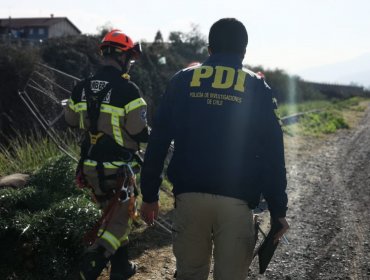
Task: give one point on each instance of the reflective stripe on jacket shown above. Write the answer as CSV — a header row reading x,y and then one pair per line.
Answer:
x,y
122,112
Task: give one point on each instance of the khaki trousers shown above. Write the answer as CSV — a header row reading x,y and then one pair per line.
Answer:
x,y
203,222
115,234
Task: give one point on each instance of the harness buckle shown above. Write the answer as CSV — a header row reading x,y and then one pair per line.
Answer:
x,y
95,137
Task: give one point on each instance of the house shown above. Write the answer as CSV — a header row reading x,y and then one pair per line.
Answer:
x,y
37,28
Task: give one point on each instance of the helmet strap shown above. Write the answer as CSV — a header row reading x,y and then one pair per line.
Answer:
x,y
125,64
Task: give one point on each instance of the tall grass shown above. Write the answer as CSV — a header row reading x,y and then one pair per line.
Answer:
x,y
26,153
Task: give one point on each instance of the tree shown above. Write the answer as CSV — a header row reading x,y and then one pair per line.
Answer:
x,y
158,37
16,65
176,37
196,38
75,55
104,29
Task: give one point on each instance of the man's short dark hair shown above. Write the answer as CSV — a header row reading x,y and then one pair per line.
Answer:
x,y
228,35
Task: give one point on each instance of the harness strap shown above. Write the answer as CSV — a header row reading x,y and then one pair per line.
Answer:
x,y
93,103
124,179
101,176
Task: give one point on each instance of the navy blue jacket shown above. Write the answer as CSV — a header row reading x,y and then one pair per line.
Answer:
x,y
227,138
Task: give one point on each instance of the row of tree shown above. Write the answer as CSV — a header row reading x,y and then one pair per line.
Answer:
x,y
79,56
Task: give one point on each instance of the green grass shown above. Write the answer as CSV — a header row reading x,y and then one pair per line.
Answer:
x,y
316,124
290,109
328,120
25,154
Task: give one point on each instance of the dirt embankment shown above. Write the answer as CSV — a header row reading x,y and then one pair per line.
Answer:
x,y
329,214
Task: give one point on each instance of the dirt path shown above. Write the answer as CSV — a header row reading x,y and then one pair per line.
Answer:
x,y
329,214
329,211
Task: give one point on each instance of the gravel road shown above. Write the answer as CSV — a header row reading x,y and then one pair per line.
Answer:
x,y
329,210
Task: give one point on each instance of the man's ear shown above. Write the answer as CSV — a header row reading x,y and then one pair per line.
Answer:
x,y
243,54
209,50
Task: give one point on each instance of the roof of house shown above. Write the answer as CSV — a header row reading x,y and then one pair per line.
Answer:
x,y
34,22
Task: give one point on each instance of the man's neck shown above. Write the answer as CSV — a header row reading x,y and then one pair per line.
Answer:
x,y
112,62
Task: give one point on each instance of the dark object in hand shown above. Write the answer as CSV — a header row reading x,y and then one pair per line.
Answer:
x,y
267,248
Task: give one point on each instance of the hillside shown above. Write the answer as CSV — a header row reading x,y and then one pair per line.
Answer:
x,y
354,71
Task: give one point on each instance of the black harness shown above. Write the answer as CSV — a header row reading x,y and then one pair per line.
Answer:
x,y
97,145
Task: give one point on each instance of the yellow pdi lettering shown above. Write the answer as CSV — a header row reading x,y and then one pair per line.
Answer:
x,y
228,81
240,81
203,72
224,77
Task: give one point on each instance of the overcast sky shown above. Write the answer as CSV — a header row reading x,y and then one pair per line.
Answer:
x,y
288,34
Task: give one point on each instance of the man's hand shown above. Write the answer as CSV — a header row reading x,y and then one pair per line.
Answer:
x,y
149,212
284,227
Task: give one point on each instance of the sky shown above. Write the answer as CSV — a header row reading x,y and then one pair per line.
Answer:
x,y
297,36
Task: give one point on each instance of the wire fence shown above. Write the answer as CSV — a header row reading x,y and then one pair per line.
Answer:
x,y
45,95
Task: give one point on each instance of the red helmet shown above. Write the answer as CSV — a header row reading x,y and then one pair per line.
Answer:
x,y
120,42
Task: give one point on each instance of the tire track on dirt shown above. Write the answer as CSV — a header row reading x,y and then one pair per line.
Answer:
x,y
329,211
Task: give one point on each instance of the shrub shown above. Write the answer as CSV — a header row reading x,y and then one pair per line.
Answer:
x,y
43,223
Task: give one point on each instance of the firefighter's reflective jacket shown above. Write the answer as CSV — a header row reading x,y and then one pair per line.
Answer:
x,y
122,114
227,138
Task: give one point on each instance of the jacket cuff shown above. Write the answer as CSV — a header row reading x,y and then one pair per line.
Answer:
x,y
278,213
151,199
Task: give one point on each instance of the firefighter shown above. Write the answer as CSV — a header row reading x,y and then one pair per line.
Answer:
x,y
110,109
228,150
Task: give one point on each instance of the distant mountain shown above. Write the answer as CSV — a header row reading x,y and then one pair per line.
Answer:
x,y
356,71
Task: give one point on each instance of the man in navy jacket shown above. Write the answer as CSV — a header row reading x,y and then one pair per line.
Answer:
x,y
228,151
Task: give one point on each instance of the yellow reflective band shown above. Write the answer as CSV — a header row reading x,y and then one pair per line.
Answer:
x,y
82,276
115,120
112,110
82,125
89,162
125,236
71,104
81,106
109,165
134,105
117,133
105,108
110,238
